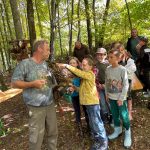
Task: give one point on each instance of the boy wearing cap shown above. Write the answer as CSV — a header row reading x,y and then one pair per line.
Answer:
x,y
101,65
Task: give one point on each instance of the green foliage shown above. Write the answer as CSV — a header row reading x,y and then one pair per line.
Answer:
x,y
2,129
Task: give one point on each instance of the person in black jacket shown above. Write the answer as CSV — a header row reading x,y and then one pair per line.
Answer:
x,y
80,51
145,69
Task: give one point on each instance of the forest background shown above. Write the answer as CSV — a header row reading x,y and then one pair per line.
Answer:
x,y
62,22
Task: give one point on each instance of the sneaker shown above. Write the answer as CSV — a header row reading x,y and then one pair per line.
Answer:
x,y
100,145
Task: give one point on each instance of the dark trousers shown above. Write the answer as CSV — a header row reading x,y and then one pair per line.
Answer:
x,y
76,105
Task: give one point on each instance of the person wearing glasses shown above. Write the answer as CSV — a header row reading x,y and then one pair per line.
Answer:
x,y
101,66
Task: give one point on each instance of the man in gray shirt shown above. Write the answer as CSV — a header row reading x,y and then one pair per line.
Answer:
x,y
35,78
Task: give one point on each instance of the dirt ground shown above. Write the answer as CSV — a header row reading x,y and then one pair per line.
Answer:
x,y
15,118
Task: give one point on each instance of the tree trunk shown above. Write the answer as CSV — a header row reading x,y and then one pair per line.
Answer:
x,y
5,33
88,24
16,19
7,19
71,24
69,28
59,32
4,87
4,47
39,20
52,15
31,24
102,31
79,26
95,25
128,15
2,56
53,25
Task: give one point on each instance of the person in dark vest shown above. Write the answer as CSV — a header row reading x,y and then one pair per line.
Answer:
x,y
144,64
80,51
132,44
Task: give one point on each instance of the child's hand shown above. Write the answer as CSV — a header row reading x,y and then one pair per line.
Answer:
x,y
60,65
99,86
120,102
71,89
107,99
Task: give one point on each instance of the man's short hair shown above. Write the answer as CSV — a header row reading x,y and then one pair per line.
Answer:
x,y
39,43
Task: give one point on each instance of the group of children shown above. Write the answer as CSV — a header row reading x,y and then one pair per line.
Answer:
x,y
109,87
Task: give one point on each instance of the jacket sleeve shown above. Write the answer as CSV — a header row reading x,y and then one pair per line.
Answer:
x,y
74,53
82,74
125,85
130,66
87,51
128,45
106,91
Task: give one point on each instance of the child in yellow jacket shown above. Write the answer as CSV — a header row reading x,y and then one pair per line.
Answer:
x,y
89,97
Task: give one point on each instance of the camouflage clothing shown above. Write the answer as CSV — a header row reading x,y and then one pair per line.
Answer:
x,y
28,71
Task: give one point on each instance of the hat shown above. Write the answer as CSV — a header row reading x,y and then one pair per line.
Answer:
x,y
144,38
101,50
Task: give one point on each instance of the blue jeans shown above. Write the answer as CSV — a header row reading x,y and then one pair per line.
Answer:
x,y
95,121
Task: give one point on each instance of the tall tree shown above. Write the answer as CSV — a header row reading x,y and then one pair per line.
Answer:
x,y
87,11
68,19
16,19
102,30
79,25
4,34
128,14
52,15
71,26
4,48
59,31
2,56
39,19
95,24
31,24
7,19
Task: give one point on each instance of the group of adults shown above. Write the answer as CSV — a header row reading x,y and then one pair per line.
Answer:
x,y
38,94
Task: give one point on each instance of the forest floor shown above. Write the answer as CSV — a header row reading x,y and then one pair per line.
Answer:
x,y
15,117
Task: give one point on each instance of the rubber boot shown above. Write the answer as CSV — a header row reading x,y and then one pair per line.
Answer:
x,y
127,139
130,109
116,133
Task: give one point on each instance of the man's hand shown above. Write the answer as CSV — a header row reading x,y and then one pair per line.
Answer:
x,y
33,84
120,102
38,83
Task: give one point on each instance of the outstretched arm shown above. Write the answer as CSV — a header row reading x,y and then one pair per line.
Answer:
x,y
80,73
